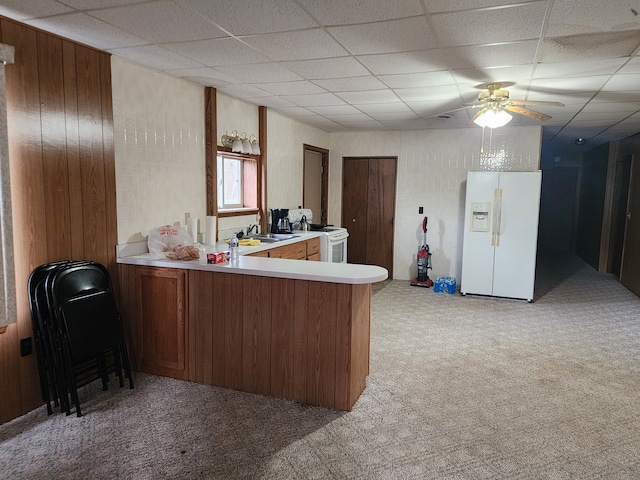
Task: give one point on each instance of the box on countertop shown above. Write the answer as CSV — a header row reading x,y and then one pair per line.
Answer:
x,y
218,257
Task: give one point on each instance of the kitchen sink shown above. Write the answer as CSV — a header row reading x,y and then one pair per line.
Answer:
x,y
273,237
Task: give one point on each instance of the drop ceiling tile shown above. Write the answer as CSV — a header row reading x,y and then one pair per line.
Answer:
x,y
586,68
567,18
408,62
616,97
160,21
621,83
315,100
209,73
575,84
373,96
411,80
300,45
218,51
93,4
21,10
486,56
88,30
248,17
596,45
358,120
265,72
609,116
601,107
514,22
434,6
394,116
632,66
323,124
426,94
243,91
271,102
476,76
438,106
295,111
291,88
154,57
350,84
374,109
385,37
346,12
326,68
327,110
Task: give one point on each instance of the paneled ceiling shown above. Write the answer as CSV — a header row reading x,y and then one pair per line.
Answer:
x,y
350,65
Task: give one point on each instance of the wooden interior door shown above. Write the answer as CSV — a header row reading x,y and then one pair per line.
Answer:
x,y
355,179
619,213
630,270
368,208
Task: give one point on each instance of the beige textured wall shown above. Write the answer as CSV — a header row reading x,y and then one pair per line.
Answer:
x,y
159,149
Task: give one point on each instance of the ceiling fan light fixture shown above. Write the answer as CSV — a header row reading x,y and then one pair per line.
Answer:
x,y
493,118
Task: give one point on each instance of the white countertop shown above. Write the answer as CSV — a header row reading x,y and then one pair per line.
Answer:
x,y
349,273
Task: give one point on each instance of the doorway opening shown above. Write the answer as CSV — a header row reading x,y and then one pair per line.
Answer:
x,y
315,188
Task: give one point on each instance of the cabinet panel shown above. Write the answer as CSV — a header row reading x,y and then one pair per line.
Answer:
x,y
295,251
313,247
161,343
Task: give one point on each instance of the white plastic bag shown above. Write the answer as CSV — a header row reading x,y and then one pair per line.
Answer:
x,y
167,239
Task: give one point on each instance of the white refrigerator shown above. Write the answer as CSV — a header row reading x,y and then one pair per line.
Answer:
x,y
501,234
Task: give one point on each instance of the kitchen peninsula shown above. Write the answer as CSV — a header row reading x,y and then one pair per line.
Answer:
x,y
293,329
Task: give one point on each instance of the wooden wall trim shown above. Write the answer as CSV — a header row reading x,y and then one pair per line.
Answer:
x,y
211,148
262,185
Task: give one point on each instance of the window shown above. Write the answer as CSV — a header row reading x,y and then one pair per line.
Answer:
x,y
237,182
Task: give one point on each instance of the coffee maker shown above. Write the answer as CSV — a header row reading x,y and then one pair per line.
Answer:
x,y
280,220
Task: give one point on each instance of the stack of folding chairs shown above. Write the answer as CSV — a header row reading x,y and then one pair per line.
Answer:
x,y
77,330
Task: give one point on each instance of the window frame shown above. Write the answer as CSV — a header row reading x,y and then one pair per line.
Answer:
x,y
250,182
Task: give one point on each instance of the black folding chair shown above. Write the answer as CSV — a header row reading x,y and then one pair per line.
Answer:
x,y
79,335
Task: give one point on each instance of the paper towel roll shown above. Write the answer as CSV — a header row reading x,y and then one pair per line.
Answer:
x,y
193,228
210,232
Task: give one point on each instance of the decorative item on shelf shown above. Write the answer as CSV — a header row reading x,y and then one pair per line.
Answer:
x,y
236,146
240,143
255,146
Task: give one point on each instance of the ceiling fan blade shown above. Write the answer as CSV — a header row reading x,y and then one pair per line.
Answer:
x,y
527,113
477,115
534,102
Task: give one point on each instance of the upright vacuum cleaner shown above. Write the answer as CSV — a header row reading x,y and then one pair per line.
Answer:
x,y
424,261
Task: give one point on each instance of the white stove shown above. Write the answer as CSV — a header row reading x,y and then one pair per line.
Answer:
x,y
333,241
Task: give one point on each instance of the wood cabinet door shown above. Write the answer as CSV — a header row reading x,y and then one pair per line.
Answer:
x,y
161,315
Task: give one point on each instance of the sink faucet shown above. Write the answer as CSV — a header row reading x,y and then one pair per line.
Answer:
x,y
251,227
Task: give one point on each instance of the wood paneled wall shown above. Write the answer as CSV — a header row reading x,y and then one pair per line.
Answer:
x,y
62,177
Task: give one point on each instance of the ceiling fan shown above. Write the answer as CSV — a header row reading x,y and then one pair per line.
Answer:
x,y
495,104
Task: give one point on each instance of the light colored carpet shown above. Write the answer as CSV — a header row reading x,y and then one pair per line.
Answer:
x,y
460,388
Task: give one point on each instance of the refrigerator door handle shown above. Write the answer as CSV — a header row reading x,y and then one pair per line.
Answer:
x,y
499,222
493,217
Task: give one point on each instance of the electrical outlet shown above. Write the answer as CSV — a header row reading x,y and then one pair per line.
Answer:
x,y
420,210
25,346
187,216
